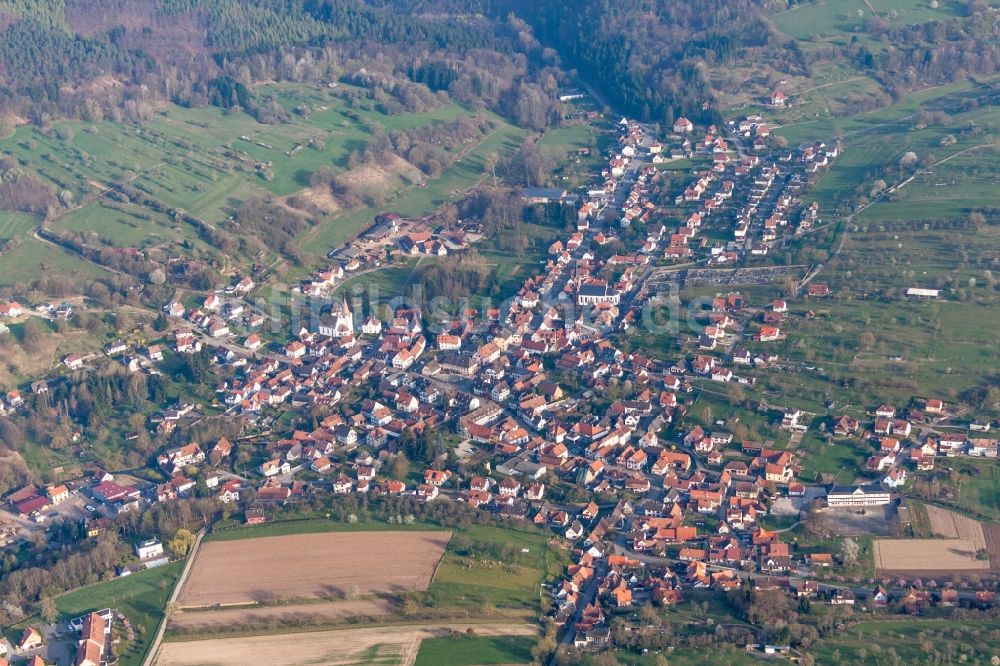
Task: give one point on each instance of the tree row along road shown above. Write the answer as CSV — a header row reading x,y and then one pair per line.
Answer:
x,y
155,645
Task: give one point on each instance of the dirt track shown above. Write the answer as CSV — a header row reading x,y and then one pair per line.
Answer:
x,y
312,566
333,648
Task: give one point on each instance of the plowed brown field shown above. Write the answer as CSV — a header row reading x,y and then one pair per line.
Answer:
x,y
956,526
939,555
311,566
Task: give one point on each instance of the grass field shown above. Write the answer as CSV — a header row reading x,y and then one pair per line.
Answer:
x,y
840,18
514,583
308,526
912,642
948,191
141,597
33,259
884,136
417,201
204,161
819,458
475,651
978,486
943,345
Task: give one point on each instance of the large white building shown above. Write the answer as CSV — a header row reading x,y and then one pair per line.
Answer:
x,y
871,494
593,294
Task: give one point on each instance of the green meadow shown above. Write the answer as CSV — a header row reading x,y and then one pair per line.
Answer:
x,y
207,161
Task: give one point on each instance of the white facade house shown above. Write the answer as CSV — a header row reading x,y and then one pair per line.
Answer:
x,y
149,549
851,496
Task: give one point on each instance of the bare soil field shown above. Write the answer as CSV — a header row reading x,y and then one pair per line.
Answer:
x,y
382,645
956,526
941,555
311,566
991,532
319,197
301,614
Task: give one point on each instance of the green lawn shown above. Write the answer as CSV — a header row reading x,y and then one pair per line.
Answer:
x,y
943,344
475,650
34,259
141,597
949,191
13,225
820,458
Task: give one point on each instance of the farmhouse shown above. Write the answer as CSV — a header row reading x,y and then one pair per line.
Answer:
x,y
12,309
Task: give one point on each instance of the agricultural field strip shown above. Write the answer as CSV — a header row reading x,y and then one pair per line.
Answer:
x,y
311,566
956,526
322,611
337,648
927,555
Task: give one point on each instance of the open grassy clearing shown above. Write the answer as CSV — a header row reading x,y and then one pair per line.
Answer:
x,y
475,651
141,597
34,258
841,18
821,461
950,190
484,578
873,140
890,119
975,486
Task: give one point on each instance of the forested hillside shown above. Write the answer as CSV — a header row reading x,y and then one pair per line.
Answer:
x,y
654,60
